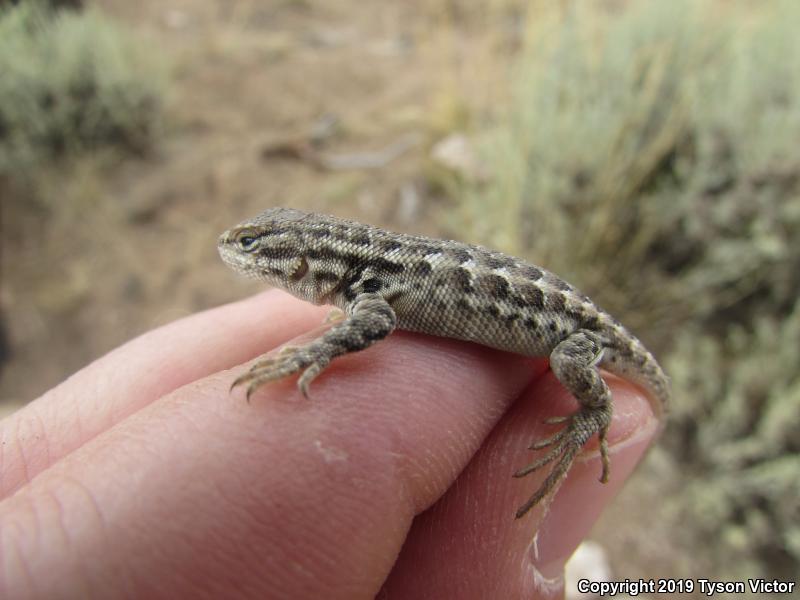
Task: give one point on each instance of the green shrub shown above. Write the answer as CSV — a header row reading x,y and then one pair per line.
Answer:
x,y
651,155
734,438
72,81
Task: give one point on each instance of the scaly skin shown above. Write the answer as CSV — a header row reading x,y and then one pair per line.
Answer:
x,y
384,280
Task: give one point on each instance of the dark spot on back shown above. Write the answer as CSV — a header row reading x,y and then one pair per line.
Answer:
x,y
494,285
320,233
591,322
498,261
424,249
339,230
360,238
530,272
459,278
422,268
556,302
389,245
560,284
532,323
460,255
528,294
386,266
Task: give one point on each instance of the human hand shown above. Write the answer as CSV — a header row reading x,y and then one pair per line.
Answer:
x,y
143,476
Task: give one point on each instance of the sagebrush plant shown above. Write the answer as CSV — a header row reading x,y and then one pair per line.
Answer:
x,y
651,155
73,81
608,166
734,427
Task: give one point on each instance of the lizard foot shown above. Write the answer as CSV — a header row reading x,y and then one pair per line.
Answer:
x,y
288,361
564,447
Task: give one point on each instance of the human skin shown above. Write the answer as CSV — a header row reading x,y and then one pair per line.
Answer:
x,y
142,475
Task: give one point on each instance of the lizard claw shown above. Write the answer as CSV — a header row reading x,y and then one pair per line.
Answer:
x,y
566,444
247,377
250,389
287,361
239,381
548,441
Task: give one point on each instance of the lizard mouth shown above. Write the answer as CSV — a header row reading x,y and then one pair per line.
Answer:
x,y
230,256
225,238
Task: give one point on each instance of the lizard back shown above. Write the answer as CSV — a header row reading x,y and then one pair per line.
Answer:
x,y
439,287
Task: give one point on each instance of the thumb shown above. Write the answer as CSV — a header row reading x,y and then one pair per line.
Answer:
x,y
468,545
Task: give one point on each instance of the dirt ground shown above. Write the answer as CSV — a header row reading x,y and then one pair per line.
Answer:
x,y
122,246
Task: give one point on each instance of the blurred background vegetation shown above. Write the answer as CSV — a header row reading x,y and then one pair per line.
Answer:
x,y
647,151
72,82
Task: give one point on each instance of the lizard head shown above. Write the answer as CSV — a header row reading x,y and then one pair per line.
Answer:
x,y
270,246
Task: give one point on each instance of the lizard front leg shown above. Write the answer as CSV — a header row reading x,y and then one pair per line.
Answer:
x,y
574,362
370,319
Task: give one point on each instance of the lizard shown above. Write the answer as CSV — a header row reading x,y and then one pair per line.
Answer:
x,y
382,281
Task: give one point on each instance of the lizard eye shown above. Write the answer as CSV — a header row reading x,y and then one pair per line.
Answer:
x,y
247,241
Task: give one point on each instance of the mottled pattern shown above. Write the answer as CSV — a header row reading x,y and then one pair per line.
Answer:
x,y
384,280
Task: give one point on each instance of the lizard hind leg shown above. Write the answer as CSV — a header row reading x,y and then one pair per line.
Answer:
x,y
574,363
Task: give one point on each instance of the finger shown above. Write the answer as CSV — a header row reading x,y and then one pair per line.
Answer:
x,y
199,495
470,546
144,369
